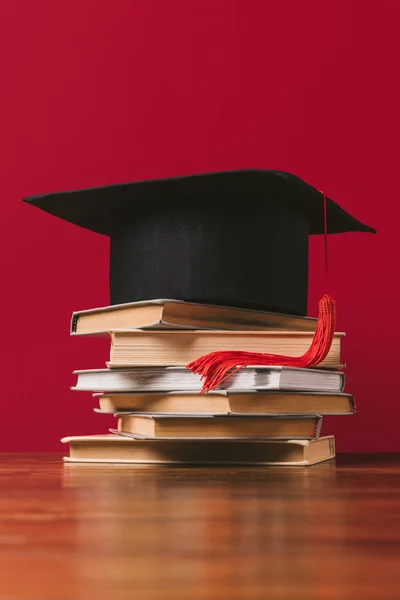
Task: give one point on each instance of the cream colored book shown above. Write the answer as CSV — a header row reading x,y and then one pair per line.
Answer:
x,y
130,348
118,449
180,379
177,314
261,403
231,426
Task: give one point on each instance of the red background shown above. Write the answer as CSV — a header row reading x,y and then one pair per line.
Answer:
x,y
96,92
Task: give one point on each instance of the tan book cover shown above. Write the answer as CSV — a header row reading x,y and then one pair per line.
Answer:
x,y
177,314
118,449
136,347
220,426
258,403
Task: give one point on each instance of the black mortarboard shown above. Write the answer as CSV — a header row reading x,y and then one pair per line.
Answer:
x,y
236,238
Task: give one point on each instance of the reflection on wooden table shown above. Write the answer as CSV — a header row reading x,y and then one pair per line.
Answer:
x,y
108,532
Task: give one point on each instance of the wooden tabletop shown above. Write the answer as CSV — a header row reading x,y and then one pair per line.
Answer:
x,y
82,532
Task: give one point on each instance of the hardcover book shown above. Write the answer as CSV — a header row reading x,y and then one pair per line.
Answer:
x,y
119,449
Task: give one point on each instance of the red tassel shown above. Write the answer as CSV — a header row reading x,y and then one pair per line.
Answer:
x,y
216,367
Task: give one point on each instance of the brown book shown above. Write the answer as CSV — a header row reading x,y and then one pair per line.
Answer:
x,y
119,449
199,426
130,348
284,403
176,314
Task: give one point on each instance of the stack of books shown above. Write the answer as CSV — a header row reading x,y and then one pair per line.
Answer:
x,y
259,416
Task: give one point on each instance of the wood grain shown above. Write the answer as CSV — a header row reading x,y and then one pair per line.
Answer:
x,y
117,532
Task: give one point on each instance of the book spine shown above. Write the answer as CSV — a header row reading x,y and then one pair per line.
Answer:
x,y
318,427
74,321
343,381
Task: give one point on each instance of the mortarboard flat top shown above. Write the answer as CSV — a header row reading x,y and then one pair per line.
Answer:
x,y
236,238
95,208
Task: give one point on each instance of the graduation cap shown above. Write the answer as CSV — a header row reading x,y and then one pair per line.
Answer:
x,y
236,238
233,238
